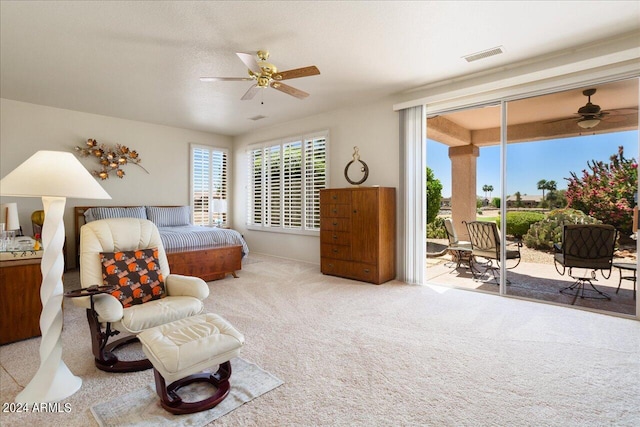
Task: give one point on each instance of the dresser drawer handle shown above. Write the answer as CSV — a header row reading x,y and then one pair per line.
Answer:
x,y
334,197
331,265
335,237
335,223
366,270
355,211
335,251
335,211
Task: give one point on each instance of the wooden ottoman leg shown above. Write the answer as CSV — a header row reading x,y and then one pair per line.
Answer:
x,y
173,403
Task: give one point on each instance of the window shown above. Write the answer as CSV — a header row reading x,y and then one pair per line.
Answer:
x,y
286,177
209,185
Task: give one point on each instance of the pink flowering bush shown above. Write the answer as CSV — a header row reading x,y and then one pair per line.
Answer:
x,y
605,191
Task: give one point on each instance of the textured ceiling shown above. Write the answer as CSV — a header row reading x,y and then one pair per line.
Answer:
x,y
141,60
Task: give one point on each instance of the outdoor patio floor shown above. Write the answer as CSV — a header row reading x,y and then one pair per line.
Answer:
x,y
537,281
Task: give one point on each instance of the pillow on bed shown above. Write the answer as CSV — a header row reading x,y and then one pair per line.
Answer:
x,y
97,213
169,217
136,275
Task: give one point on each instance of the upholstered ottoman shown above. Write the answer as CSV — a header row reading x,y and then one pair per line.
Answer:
x,y
181,350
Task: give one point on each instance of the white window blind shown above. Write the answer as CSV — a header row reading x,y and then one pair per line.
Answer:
x,y
286,178
209,185
292,190
315,179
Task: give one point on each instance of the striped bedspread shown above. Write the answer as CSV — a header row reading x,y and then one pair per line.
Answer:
x,y
194,237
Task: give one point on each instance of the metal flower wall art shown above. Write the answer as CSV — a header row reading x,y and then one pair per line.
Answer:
x,y
111,159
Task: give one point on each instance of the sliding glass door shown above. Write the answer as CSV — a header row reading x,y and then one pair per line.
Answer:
x,y
564,158
571,159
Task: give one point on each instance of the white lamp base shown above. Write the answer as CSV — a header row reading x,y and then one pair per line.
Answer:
x,y
53,381
55,386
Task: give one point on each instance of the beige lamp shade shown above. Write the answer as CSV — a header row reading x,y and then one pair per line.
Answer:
x,y
9,216
52,173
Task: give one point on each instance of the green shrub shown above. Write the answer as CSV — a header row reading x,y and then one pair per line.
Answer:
x,y
543,234
496,202
434,195
436,229
518,223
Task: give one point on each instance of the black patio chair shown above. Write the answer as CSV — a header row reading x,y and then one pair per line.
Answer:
x,y
460,249
485,243
587,247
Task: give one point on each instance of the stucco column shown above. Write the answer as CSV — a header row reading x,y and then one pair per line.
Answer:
x,y
463,186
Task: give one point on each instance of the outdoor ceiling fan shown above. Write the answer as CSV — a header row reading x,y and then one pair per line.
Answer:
x,y
267,75
590,115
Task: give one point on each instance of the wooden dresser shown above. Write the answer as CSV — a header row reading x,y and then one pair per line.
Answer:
x,y
358,233
20,304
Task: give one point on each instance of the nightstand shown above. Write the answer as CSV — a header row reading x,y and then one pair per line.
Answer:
x,y
20,305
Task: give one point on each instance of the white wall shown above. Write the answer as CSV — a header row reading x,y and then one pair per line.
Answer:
x,y
373,128
26,128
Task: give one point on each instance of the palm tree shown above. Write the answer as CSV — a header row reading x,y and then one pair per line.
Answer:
x,y
542,185
489,189
485,188
552,186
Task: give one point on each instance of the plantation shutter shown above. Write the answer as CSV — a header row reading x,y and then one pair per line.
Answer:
x,y
255,209
201,185
219,190
315,165
292,191
285,179
272,186
209,185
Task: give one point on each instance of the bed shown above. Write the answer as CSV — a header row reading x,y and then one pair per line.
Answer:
x,y
206,252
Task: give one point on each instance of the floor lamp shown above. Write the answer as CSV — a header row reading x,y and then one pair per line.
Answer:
x,y
54,176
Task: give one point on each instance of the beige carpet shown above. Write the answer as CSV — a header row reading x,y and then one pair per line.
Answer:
x,y
352,353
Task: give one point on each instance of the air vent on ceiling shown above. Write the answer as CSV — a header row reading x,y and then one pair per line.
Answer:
x,y
254,118
484,54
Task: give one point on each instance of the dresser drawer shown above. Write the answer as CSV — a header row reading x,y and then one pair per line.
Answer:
x,y
364,272
335,224
335,211
335,196
335,267
350,270
335,237
335,251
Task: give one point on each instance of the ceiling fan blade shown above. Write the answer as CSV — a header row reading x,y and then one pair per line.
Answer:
x,y
562,120
224,79
298,72
622,111
250,62
253,90
289,90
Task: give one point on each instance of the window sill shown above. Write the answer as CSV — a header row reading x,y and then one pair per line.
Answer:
x,y
284,230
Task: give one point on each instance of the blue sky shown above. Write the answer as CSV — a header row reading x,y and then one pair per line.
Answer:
x,y
529,162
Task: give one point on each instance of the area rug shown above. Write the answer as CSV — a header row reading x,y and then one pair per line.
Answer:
x,y
142,408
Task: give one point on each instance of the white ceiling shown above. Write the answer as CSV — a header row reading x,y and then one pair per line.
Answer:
x,y
141,60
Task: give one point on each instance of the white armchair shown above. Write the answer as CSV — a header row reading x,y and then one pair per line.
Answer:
x,y
106,314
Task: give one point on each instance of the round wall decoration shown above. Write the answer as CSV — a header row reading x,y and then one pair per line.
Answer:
x,y
364,169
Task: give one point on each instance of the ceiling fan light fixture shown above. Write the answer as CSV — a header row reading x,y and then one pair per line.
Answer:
x,y
588,123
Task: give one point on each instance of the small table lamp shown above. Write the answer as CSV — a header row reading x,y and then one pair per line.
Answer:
x,y
54,176
9,216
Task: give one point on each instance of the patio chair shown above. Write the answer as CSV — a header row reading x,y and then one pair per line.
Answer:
x,y
587,247
485,244
460,249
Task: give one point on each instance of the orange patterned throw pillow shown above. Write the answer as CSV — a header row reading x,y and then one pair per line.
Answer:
x,y
136,275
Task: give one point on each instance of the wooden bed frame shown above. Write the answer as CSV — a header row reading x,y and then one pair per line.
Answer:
x,y
208,263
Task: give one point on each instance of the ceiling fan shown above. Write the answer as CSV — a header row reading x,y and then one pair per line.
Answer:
x,y
267,75
590,115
